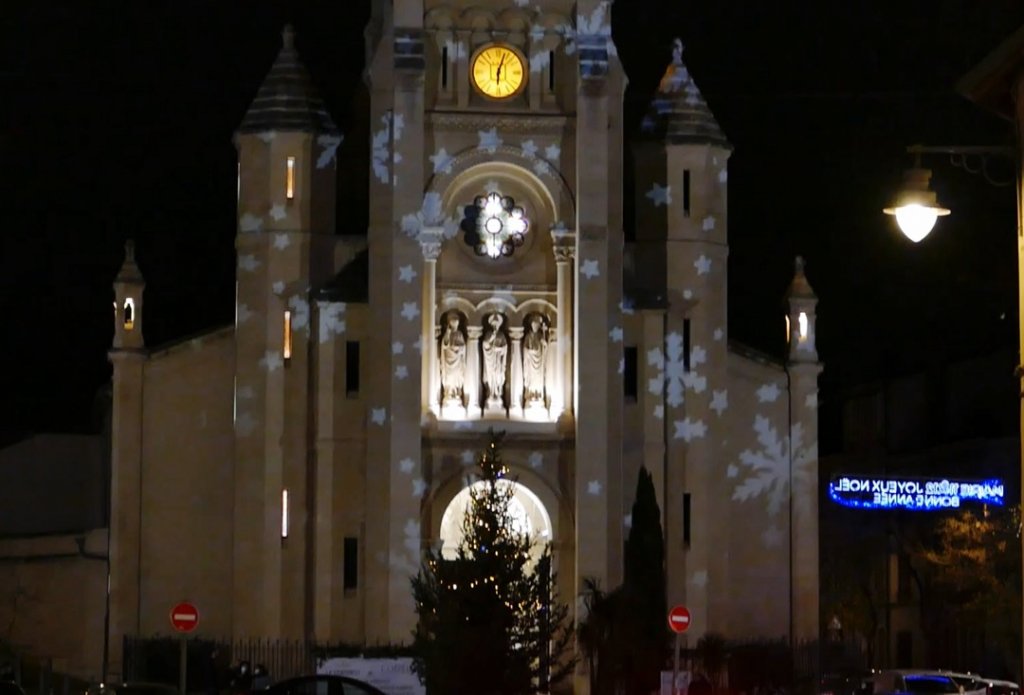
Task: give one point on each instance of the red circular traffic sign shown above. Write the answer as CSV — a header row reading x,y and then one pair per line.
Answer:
x,y
184,617
679,619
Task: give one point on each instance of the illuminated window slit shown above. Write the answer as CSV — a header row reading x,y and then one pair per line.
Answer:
x,y
287,350
284,513
290,180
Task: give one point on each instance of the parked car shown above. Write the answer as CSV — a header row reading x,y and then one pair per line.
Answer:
x,y
915,682
998,687
132,688
844,683
970,683
321,685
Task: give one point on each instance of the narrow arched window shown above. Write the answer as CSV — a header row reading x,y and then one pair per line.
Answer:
x,y
129,314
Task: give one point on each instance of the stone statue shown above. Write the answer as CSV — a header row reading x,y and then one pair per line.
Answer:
x,y
453,360
495,348
535,347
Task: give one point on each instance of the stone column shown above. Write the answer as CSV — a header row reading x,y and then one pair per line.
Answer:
x,y
552,388
516,385
472,382
430,243
328,360
125,509
561,391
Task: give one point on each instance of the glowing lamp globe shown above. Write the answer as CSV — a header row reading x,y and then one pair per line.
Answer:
x,y
916,207
916,221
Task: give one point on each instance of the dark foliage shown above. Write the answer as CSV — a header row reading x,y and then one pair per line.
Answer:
x,y
644,591
625,636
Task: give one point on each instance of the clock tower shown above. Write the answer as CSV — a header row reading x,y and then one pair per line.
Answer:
x,y
495,262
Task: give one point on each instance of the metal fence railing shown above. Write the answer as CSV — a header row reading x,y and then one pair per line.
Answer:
x,y
157,660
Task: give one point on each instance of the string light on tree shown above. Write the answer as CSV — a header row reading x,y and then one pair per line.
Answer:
x,y
478,617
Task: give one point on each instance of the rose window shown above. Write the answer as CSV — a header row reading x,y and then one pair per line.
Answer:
x,y
500,226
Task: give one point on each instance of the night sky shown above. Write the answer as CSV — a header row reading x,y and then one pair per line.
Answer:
x,y
116,121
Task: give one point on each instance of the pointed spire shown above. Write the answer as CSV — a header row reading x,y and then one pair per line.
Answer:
x,y
287,100
679,113
129,272
800,288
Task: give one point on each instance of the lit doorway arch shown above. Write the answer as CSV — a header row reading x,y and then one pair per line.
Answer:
x,y
527,512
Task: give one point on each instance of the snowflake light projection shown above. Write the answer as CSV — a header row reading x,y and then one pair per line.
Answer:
x,y
500,228
766,473
671,370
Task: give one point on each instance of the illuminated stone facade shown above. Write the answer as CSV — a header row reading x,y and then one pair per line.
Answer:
x,y
363,372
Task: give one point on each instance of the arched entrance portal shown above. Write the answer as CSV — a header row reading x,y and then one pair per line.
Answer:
x,y
526,510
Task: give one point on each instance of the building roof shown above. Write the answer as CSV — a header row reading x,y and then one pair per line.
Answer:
x,y
679,114
287,100
992,81
53,484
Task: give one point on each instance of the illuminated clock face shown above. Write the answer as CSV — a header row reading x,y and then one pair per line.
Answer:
x,y
499,72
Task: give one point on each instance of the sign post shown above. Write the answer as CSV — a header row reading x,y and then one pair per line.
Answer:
x,y
679,622
184,619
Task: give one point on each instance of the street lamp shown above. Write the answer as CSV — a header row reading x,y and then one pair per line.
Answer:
x,y
916,209
915,206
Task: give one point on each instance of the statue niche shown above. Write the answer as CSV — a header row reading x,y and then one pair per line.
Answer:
x,y
495,350
452,356
535,355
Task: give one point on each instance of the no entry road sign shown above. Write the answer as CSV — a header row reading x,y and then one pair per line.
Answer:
x,y
679,619
184,617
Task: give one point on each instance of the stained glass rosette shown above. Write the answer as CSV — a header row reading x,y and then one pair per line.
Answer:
x,y
501,225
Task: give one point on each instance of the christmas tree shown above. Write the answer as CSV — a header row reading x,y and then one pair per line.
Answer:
x,y
489,619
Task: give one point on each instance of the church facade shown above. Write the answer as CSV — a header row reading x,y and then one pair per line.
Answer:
x,y
285,473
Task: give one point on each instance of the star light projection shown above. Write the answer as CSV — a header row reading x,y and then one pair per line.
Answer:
x,y
501,226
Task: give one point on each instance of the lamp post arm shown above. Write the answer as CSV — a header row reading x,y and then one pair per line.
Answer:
x,y
982,150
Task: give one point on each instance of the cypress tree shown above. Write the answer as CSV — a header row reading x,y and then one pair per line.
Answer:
x,y
645,591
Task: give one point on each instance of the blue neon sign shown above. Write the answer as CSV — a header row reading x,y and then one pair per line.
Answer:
x,y
863,492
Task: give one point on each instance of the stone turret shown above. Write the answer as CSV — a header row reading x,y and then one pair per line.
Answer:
x,y
287,100
678,113
128,288
286,211
803,368
682,255
802,303
129,359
